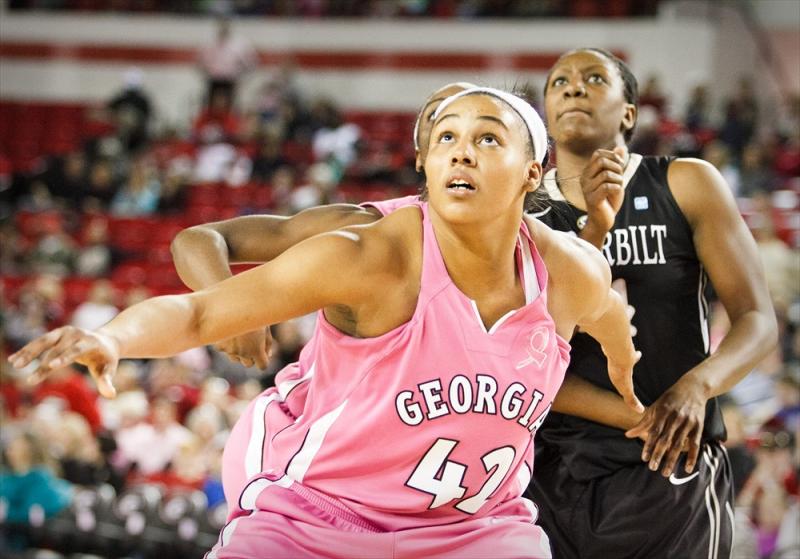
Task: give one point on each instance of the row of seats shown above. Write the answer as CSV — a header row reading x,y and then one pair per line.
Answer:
x,y
144,521
34,129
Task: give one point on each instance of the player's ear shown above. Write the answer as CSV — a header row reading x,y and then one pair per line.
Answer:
x,y
533,176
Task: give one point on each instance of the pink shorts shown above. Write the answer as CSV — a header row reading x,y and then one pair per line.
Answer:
x,y
278,518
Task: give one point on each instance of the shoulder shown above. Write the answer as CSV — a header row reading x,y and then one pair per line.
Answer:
x,y
573,264
699,188
389,244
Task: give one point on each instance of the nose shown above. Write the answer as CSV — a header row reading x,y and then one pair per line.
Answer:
x,y
463,154
575,89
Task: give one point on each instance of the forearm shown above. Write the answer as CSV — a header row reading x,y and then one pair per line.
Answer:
x,y
581,398
752,337
612,329
158,327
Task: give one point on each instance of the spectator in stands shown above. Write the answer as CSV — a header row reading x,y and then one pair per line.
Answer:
x,y
100,187
269,157
216,123
755,175
65,177
37,198
697,110
131,110
13,258
28,488
781,263
741,118
651,95
95,256
55,251
336,141
719,155
772,487
75,390
98,308
39,304
151,446
82,460
140,194
224,62
319,189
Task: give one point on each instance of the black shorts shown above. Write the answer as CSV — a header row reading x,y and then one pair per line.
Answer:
x,y
636,513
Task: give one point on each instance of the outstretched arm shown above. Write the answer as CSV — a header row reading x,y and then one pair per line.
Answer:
x,y
203,254
730,257
341,268
580,294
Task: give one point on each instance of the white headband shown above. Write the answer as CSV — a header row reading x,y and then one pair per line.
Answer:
x,y
528,114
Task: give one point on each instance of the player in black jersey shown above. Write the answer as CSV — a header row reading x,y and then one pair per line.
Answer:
x,y
665,225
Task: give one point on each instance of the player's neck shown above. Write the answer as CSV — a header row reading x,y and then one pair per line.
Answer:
x,y
479,257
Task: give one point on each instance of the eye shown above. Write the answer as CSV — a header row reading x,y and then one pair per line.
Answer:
x,y
558,81
596,78
488,140
445,138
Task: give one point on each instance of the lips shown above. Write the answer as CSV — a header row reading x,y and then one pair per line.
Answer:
x,y
573,110
460,182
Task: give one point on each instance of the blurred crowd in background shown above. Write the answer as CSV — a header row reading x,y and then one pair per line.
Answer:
x,y
92,196
359,8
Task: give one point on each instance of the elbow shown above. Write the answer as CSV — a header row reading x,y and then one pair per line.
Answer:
x,y
771,331
196,240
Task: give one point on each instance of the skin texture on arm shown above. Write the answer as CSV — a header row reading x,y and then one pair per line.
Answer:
x,y
203,254
581,398
729,255
307,277
580,294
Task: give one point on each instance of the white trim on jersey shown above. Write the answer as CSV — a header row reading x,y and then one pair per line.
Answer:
x,y
702,306
247,501
523,477
712,504
532,288
300,462
550,180
254,454
285,387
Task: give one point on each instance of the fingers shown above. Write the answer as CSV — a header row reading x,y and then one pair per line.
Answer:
x,y
103,379
675,449
664,441
35,348
694,449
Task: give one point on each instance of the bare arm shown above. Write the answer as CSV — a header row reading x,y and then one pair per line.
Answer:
x,y
729,256
203,254
580,294
342,268
581,398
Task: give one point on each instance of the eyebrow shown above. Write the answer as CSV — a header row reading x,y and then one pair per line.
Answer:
x,y
587,69
482,117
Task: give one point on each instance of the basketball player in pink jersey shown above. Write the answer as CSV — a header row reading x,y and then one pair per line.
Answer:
x,y
201,253
440,345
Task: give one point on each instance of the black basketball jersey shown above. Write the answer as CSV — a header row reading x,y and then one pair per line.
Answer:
x,y
651,247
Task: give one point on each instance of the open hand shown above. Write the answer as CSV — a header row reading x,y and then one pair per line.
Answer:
x,y
66,345
248,349
674,423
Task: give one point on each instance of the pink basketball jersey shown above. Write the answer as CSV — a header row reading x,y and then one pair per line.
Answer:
x,y
428,424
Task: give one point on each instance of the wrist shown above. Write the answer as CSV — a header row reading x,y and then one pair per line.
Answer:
x,y
111,338
594,232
